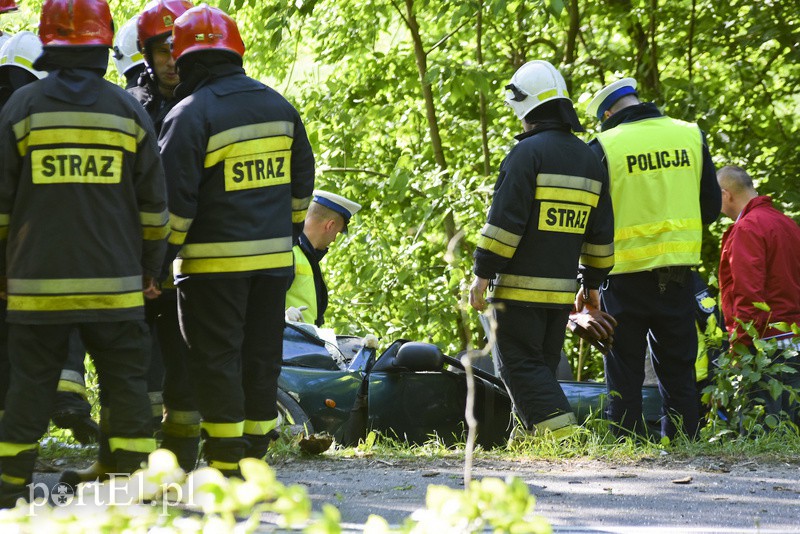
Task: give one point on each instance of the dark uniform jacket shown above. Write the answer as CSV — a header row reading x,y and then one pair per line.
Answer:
x,y
82,201
314,257
241,175
551,211
153,101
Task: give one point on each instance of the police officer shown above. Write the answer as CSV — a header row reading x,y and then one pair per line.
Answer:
x,y
83,203
550,212
663,188
328,216
127,57
241,177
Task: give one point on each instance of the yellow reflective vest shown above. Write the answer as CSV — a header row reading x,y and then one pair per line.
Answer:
x,y
654,168
302,292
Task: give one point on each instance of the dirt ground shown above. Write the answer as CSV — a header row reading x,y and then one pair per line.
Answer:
x,y
699,493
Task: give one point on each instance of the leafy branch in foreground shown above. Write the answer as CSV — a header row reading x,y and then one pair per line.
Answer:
x,y
162,498
749,378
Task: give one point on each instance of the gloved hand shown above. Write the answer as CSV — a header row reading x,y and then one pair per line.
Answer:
x,y
295,314
595,326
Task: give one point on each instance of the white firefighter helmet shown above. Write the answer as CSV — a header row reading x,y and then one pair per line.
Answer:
x,y
21,50
126,48
534,83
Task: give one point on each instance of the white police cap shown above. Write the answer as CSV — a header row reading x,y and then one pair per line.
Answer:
x,y
608,96
344,207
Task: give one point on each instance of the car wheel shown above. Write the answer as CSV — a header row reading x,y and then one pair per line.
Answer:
x,y
291,417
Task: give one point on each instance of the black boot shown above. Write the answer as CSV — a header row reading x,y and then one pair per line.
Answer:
x,y
126,462
184,449
74,412
17,475
100,470
257,445
224,454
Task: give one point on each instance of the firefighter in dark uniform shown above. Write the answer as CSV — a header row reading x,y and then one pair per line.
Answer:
x,y
156,88
664,190
18,54
180,428
127,57
83,202
328,216
241,177
72,409
550,222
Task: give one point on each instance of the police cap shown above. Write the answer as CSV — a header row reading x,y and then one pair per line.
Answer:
x,y
609,95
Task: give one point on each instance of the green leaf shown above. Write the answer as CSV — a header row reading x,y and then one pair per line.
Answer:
x,y
555,7
763,306
775,388
708,302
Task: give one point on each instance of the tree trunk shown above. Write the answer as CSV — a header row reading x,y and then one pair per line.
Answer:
x,y
482,97
464,332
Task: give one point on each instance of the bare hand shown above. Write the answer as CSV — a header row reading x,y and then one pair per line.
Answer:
x,y
593,302
150,288
599,324
477,293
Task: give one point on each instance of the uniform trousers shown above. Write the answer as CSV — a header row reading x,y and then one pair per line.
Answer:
x,y
233,328
529,343
662,316
120,351
178,391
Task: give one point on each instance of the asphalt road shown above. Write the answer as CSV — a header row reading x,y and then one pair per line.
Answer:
x,y
575,496
664,495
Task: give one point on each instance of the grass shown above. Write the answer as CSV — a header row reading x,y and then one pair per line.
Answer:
x,y
593,441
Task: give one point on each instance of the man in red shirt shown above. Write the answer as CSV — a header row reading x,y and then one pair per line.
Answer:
x,y
760,262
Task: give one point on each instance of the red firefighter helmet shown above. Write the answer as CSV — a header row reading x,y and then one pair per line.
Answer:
x,y
205,28
7,5
76,23
158,17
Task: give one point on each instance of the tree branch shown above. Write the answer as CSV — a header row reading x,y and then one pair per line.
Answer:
x,y
344,170
449,35
692,18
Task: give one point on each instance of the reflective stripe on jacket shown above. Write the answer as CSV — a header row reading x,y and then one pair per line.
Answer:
x,y
241,177
654,168
551,211
84,207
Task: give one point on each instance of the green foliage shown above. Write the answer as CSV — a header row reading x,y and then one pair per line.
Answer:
x,y
489,504
161,497
746,379
351,70
417,165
